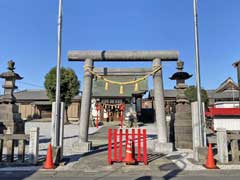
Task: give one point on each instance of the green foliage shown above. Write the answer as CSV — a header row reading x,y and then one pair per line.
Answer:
x,y
191,94
69,85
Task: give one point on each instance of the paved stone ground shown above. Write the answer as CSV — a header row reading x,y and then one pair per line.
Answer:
x,y
96,161
160,175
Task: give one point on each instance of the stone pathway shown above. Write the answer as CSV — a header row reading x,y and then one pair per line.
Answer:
x,y
100,138
96,161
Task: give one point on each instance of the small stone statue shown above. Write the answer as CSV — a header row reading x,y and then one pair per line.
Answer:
x,y
11,65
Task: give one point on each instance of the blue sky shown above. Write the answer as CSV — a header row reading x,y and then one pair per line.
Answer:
x,y
28,35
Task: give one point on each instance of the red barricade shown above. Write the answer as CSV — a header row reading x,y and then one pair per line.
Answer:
x,y
117,140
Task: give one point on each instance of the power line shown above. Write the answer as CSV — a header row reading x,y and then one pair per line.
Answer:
x,y
30,84
26,83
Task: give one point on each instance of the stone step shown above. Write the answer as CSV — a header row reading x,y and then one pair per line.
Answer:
x,y
184,145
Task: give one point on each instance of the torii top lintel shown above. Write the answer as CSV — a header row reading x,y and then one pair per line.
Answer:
x,y
79,55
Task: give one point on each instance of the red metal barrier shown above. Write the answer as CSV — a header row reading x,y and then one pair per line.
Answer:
x,y
117,140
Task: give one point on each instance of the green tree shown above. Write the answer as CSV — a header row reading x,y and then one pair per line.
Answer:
x,y
191,94
69,86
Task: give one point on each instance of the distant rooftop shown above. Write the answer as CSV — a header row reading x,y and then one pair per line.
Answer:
x,y
35,95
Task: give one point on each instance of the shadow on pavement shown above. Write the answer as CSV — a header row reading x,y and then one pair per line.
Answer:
x,y
16,175
153,157
172,174
144,178
173,169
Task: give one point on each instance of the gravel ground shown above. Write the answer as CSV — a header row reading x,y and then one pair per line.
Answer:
x,y
70,135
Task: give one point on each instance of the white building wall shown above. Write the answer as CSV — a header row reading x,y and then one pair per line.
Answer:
x,y
227,123
227,104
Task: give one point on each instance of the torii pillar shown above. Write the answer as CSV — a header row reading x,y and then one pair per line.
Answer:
x,y
156,57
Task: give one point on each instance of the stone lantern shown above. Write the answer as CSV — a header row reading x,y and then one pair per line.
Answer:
x,y
183,118
10,119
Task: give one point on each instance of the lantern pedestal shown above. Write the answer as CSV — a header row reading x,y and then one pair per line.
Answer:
x,y
10,119
182,118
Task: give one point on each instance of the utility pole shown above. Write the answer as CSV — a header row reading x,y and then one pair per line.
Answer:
x,y
237,65
58,108
198,81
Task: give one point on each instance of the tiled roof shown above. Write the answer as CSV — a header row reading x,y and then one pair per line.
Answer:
x,y
226,94
170,93
227,84
31,95
212,94
34,95
98,89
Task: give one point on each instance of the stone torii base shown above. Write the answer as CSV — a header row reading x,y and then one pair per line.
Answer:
x,y
161,145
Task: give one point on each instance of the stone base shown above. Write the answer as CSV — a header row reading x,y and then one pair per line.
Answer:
x,y
57,154
200,154
10,119
163,147
83,147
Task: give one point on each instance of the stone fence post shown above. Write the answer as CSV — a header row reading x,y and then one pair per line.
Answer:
x,y
34,145
196,129
53,124
199,153
222,145
61,138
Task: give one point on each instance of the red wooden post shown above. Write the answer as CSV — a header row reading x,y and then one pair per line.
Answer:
x,y
126,137
109,146
115,144
133,142
139,145
145,160
121,118
97,120
120,148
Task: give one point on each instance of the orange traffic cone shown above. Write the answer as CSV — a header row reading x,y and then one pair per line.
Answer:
x,y
210,164
49,159
129,159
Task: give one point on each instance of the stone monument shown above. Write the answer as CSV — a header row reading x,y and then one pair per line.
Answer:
x,y
183,119
10,119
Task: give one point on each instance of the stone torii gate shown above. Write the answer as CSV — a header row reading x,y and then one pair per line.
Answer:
x,y
156,57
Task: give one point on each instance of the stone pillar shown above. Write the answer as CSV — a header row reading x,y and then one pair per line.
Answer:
x,y
183,120
21,150
53,124
235,151
61,138
161,145
84,145
222,145
195,129
57,150
199,153
10,150
1,149
34,145
9,116
237,65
